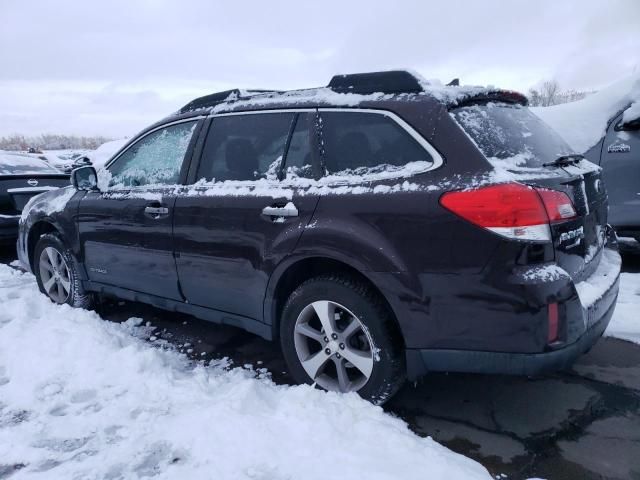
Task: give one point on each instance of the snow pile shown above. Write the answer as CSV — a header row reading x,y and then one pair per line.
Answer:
x,y
625,323
583,123
101,155
85,398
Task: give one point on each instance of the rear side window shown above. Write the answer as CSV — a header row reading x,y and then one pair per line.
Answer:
x,y
363,143
154,160
245,147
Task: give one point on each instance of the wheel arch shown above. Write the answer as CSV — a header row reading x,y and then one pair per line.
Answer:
x,y
289,275
38,229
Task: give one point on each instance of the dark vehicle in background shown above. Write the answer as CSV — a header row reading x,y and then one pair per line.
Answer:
x,y
22,177
618,153
379,228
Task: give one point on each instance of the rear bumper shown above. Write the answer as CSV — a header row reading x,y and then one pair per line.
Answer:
x,y
8,228
598,296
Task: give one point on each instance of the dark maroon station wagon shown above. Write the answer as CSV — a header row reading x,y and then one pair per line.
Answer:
x,y
379,228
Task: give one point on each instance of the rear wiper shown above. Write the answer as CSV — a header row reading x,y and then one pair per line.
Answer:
x,y
564,160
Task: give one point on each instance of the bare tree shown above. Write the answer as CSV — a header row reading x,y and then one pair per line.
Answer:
x,y
51,142
550,94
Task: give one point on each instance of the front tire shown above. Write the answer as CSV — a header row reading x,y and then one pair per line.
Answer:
x,y
337,334
56,271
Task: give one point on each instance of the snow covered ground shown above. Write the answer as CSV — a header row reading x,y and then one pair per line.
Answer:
x,y
85,398
625,323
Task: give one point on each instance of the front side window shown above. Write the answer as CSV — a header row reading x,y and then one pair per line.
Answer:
x,y
361,143
245,147
154,160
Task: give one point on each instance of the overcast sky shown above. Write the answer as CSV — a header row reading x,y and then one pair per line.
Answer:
x,y
112,67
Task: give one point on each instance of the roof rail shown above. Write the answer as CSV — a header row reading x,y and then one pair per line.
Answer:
x,y
219,97
392,81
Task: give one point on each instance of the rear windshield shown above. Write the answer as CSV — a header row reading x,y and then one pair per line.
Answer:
x,y
510,136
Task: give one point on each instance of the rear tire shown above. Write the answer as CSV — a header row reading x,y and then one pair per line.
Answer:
x,y
57,273
336,333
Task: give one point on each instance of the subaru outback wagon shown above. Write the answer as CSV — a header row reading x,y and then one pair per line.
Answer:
x,y
379,228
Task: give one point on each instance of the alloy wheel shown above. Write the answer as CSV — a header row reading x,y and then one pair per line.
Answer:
x,y
54,274
333,346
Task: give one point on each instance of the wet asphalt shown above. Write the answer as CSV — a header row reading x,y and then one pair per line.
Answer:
x,y
583,423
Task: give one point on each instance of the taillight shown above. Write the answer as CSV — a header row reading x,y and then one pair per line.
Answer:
x,y
557,204
512,210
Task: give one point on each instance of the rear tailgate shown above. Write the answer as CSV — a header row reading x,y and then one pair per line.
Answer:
x,y
15,191
578,242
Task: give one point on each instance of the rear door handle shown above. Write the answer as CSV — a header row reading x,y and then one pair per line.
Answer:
x,y
159,211
289,210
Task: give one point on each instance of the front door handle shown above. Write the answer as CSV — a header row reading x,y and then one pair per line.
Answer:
x,y
157,211
289,210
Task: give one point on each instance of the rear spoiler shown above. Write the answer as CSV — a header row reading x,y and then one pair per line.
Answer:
x,y
504,96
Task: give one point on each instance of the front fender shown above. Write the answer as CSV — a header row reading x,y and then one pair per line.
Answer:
x,y
53,210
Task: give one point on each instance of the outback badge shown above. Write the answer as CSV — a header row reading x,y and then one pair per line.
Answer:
x,y
572,237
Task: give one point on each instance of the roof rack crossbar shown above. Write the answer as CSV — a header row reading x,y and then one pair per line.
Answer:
x,y
392,81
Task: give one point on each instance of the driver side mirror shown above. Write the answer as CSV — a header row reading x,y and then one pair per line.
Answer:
x,y
85,178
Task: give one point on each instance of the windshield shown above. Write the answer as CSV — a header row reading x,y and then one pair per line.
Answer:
x,y
511,136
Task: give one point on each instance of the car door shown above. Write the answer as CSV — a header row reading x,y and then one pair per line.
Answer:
x,y
244,214
621,173
125,230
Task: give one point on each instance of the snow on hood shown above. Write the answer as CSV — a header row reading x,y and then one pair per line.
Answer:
x,y
85,398
583,123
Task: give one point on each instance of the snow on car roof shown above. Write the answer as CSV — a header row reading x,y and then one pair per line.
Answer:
x,y
240,99
20,164
583,123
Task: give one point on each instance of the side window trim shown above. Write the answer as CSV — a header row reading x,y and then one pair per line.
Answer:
x,y
438,161
198,151
287,144
187,157
314,147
